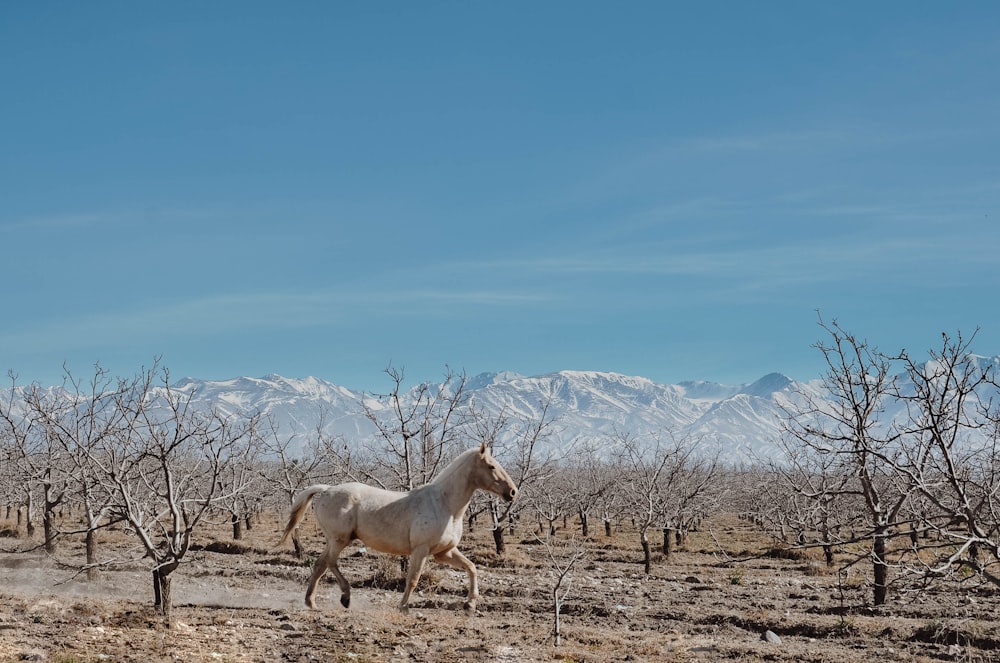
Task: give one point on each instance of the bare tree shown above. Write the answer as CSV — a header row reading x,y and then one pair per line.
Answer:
x,y
953,428
12,436
593,480
811,495
416,428
552,500
165,471
693,492
654,466
562,560
853,428
78,419
521,445
25,450
239,476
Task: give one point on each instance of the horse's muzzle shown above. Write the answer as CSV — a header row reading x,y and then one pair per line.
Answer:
x,y
510,494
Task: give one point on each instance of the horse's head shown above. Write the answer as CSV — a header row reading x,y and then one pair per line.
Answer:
x,y
489,475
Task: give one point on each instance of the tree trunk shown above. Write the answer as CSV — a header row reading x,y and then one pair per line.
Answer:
x,y
49,530
498,540
237,527
297,544
584,524
157,598
556,630
166,605
607,527
28,516
668,541
880,566
646,558
827,548
91,547
165,576
49,504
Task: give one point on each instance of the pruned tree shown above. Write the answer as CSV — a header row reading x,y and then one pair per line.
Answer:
x,y
165,470
953,425
654,467
593,480
79,419
811,495
25,447
552,500
416,429
521,444
852,427
693,492
239,477
562,561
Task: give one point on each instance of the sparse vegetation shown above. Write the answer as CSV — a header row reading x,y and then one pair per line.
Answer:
x,y
248,606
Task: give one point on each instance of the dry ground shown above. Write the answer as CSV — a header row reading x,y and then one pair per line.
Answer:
x,y
697,606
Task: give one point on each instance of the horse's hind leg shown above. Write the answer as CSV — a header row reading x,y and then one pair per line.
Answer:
x,y
319,568
345,587
459,561
327,559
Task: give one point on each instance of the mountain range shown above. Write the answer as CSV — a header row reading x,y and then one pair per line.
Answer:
x,y
744,421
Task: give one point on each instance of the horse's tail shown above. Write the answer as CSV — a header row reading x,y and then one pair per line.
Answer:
x,y
299,506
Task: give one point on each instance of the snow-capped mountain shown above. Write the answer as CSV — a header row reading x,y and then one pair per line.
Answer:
x,y
743,420
298,407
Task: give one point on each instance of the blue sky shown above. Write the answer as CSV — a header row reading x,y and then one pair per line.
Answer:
x,y
662,189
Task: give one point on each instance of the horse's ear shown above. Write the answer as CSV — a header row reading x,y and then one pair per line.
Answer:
x,y
482,450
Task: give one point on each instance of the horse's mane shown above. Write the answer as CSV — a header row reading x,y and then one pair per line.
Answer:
x,y
454,466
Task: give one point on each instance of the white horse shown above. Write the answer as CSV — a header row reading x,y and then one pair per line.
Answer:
x,y
424,521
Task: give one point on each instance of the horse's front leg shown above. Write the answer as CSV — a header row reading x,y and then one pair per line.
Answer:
x,y
459,561
416,567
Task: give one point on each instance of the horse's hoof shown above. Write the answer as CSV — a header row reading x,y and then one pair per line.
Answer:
x,y
310,604
470,608
345,600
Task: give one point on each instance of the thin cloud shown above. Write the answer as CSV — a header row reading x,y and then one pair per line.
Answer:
x,y
243,313
56,222
776,141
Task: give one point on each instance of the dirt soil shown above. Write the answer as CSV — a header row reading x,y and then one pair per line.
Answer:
x,y
244,602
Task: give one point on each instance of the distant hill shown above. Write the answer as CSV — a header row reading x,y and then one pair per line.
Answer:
x,y
742,421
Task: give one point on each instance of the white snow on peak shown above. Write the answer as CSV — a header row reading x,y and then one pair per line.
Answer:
x,y
741,420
